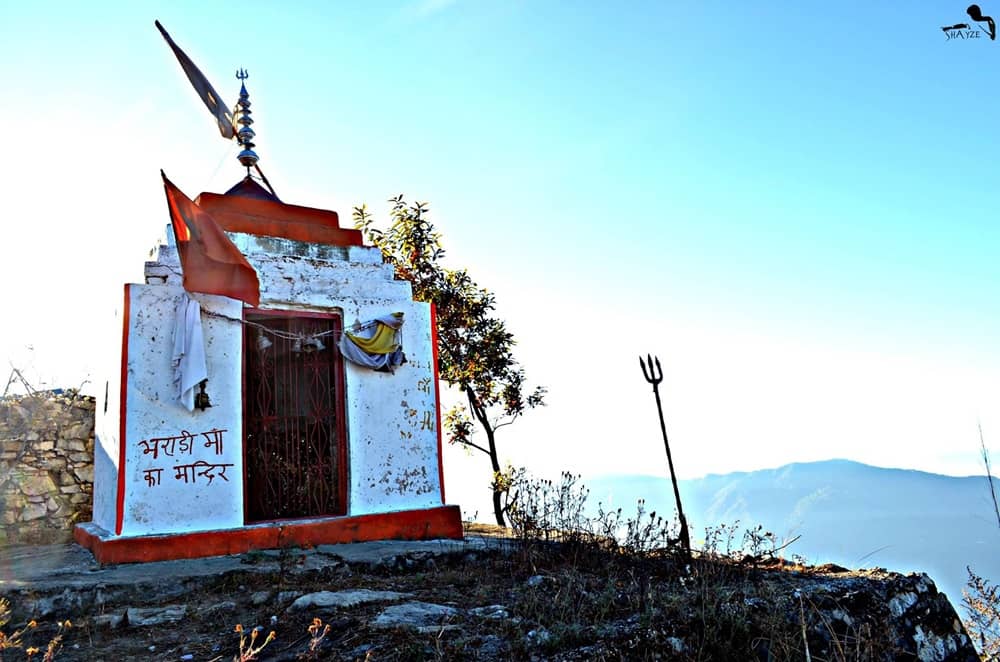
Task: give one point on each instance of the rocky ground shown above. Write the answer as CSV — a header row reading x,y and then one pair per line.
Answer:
x,y
485,598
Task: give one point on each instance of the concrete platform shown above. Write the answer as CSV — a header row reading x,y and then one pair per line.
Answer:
x,y
425,524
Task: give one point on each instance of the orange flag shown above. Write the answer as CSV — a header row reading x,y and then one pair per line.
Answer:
x,y
211,262
204,89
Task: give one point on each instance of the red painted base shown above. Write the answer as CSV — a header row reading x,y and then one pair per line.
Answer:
x,y
432,523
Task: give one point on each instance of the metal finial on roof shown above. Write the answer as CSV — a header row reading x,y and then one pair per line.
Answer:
x,y
245,135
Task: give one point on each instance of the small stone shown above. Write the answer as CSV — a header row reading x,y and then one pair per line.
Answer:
x,y
285,596
491,611
535,580
20,411
218,607
108,620
85,474
260,597
414,615
74,445
901,602
33,511
80,431
538,637
343,599
156,615
37,485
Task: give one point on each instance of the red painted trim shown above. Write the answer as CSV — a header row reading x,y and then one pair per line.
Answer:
x,y
437,395
279,211
289,312
341,386
428,524
234,213
243,410
122,410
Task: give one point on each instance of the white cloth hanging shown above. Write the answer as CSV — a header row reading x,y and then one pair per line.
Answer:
x,y
188,359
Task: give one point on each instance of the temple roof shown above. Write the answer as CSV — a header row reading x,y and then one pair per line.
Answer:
x,y
248,188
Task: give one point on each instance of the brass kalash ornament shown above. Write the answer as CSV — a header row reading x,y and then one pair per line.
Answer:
x,y
248,159
224,117
245,135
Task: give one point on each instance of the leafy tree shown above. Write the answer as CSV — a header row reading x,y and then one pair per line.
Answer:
x,y
475,349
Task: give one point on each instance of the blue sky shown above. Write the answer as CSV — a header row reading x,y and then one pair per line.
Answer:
x,y
792,204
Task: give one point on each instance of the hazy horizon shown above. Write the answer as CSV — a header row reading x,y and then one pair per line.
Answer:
x,y
666,473
845,512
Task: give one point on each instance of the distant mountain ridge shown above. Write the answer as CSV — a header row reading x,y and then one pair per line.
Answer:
x,y
846,512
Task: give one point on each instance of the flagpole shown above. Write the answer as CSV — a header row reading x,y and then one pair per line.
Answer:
x,y
264,179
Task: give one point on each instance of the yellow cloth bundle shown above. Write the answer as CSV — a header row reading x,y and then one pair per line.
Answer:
x,y
383,341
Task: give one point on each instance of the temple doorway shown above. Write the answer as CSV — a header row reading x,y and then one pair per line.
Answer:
x,y
295,445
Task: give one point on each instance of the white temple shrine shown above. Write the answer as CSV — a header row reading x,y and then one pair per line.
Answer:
x,y
311,417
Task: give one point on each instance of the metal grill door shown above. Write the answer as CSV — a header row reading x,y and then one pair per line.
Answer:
x,y
293,417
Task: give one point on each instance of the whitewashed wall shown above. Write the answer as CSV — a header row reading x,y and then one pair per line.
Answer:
x,y
391,418
167,488
392,423
106,421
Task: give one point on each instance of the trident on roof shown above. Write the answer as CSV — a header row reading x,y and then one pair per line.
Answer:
x,y
223,117
245,135
654,377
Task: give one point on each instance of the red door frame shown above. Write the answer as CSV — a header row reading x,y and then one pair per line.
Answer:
x,y
340,400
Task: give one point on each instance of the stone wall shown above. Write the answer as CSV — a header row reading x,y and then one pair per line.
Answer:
x,y
46,466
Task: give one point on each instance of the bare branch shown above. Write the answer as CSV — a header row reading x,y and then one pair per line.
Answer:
x,y
472,445
14,371
989,473
503,424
